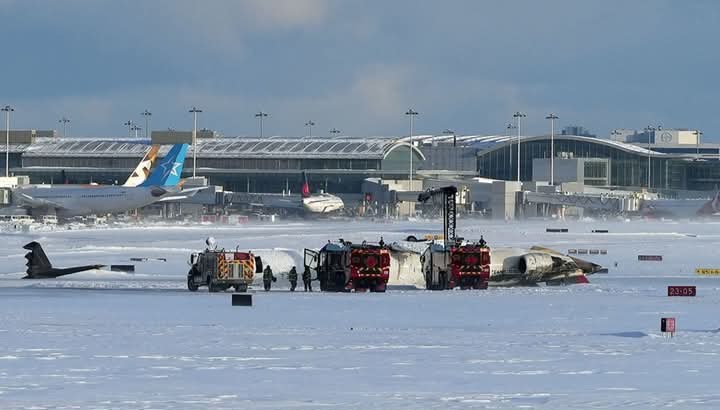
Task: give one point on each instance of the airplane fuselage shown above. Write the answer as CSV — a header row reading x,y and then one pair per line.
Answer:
x,y
322,203
78,200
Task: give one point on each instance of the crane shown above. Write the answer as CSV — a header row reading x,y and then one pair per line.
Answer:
x,y
448,194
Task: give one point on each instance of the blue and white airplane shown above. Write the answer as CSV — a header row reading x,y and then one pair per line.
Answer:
x,y
82,200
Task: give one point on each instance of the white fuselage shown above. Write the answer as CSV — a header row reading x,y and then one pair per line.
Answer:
x,y
81,200
322,203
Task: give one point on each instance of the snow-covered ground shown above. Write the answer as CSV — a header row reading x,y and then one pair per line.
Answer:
x,y
102,340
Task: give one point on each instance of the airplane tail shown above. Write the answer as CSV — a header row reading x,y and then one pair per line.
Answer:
x,y
305,191
710,207
37,261
141,173
168,171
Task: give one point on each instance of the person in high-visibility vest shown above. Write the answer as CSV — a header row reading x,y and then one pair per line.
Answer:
x,y
293,277
268,278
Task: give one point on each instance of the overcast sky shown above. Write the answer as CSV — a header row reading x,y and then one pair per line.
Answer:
x,y
359,65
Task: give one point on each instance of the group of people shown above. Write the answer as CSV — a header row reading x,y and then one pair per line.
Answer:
x,y
269,278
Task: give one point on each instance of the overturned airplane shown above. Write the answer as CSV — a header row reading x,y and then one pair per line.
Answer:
x,y
39,267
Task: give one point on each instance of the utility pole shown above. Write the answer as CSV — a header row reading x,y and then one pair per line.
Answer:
x,y
552,117
147,115
260,115
194,112
64,121
518,115
410,113
309,124
8,109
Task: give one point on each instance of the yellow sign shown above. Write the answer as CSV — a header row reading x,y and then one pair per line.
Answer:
x,y
707,271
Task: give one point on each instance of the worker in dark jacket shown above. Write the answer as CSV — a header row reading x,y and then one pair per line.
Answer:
x,y
307,280
268,278
292,277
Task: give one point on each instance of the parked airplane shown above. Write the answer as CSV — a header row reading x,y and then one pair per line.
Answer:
x,y
681,208
313,204
80,200
322,203
39,267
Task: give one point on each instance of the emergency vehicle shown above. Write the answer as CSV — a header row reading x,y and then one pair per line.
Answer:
x,y
344,266
221,269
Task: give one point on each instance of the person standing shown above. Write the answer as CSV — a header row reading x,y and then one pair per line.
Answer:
x,y
293,277
268,278
307,279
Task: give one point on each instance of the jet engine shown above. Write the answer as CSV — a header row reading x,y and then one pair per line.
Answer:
x,y
536,265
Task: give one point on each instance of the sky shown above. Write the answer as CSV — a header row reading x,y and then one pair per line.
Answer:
x,y
359,65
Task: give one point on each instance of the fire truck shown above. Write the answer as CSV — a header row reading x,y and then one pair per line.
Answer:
x,y
221,269
453,262
344,266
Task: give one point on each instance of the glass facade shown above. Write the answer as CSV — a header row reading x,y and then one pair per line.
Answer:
x,y
626,168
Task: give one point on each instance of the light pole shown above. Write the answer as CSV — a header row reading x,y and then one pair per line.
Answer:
x,y
136,129
64,121
510,127
518,115
410,113
334,131
698,134
552,117
147,115
648,129
261,115
8,109
129,124
194,112
309,124
448,131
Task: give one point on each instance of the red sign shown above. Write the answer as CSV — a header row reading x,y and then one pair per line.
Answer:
x,y
650,257
667,325
682,291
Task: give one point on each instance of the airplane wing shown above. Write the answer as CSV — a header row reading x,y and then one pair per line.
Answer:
x,y
33,202
182,194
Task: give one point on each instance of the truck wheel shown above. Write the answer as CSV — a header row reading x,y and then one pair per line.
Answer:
x,y
212,287
192,286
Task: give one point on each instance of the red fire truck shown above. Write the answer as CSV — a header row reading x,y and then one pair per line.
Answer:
x,y
344,266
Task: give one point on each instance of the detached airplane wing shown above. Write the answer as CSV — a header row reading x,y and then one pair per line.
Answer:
x,y
33,202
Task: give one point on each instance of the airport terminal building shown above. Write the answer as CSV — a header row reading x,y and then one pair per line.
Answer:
x,y
341,164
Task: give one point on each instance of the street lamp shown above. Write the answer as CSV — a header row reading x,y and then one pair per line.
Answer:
x,y
64,121
334,131
8,109
147,115
518,115
552,117
309,124
410,113
129,124
194,112
509,128
136,129
648,129
261,115
698,134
